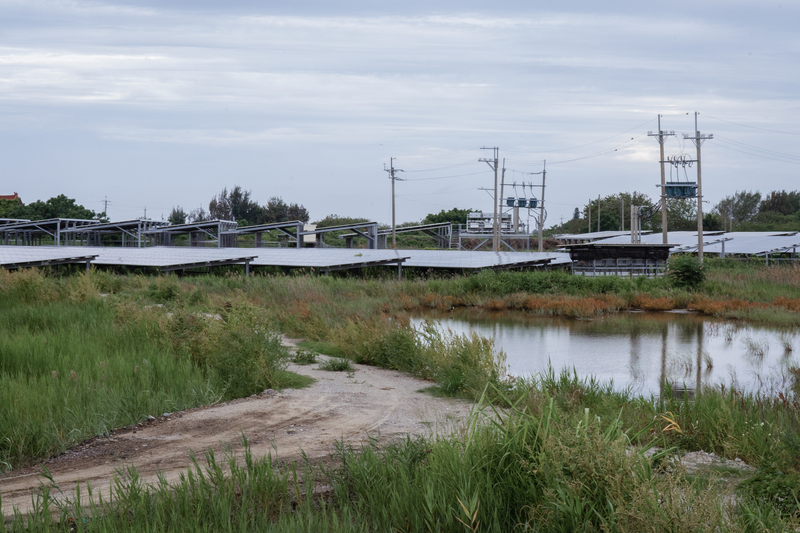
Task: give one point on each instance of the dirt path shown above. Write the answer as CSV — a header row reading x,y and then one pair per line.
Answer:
x,y
370,401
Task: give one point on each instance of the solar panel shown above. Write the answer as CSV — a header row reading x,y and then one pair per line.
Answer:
x,y
37,255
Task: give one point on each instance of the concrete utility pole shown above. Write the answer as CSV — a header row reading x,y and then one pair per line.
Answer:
x,y
540,218
590,216
661,134
541,207
598,212
391,170
493,165
621,213
698,139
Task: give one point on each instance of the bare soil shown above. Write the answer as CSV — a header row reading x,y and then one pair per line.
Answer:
x,y
337,407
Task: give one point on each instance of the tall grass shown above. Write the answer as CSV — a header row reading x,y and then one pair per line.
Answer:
x,y
69,372
75,365
551,468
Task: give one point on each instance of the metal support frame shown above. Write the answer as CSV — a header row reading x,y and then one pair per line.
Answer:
x,y
29,232
260,229
203,264
215,229
371,233
442,232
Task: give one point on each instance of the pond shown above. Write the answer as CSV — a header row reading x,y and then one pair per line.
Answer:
x,y
637,350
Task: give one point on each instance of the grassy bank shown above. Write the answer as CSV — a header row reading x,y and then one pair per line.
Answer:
x,y
567,456
75,364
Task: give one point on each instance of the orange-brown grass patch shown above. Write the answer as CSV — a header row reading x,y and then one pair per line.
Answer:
x,y
430,300
406,302
719,307
496,305
653,303
791,304
573,306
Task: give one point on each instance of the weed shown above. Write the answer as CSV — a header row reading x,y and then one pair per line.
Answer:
x,y
304,357
787,341
757,348
337,364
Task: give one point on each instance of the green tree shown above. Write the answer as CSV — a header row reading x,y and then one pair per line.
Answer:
x,y
12,209
681,215
785,203
741,207
454,216
56,207
239,205
177,216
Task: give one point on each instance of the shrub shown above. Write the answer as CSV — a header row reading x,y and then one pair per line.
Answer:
x,y
685,271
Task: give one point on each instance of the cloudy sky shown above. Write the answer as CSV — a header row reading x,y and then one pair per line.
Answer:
x,y
154,104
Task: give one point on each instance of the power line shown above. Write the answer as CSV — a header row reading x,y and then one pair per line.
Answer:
x,y
442,168
753,127
759,155
593,142
446,177
756,148
437,193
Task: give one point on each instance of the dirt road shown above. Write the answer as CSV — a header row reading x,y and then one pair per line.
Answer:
x,y
337,406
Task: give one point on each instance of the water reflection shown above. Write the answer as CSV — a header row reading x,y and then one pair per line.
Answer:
x,y
643,351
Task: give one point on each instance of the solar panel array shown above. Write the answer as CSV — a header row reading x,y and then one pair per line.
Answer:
x,y
740,243
166,257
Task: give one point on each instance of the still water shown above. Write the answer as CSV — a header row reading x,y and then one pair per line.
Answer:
x,y
638,350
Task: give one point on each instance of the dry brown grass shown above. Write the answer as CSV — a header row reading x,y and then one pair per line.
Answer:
x,y
573,306
721,307
653,303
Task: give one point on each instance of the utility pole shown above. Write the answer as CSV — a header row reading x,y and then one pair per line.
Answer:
x,y
621,213
105,205
391,170
541,207
698,139
540,218
493,165
598,212
145,212
661,134
590,216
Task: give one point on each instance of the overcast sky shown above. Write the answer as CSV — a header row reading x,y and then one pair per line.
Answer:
x,y
163,103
